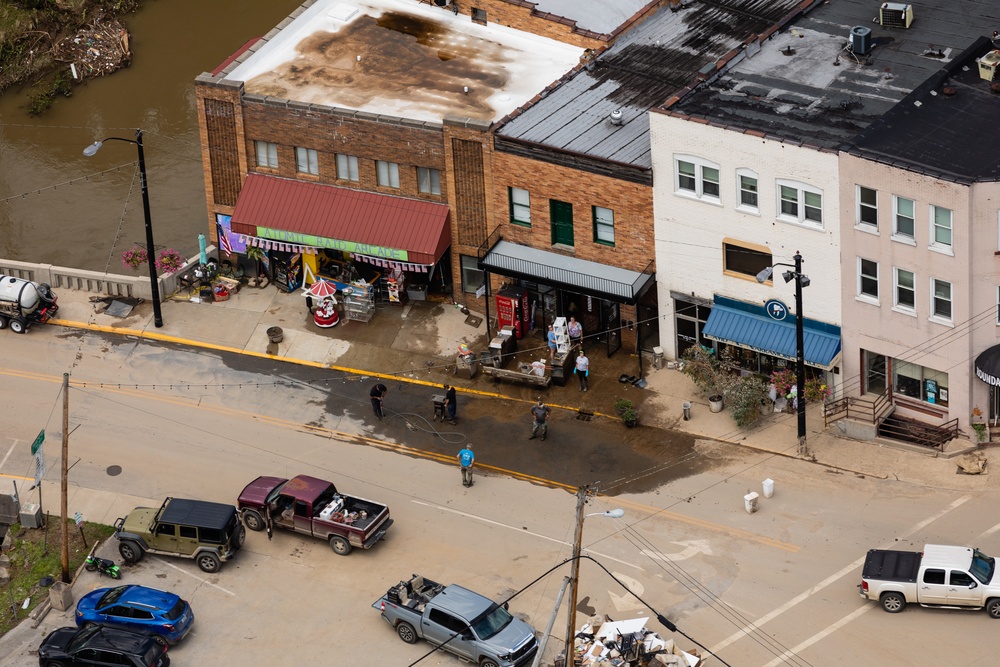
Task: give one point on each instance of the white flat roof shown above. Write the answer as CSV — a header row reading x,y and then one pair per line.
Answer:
x,y
597,15
403,58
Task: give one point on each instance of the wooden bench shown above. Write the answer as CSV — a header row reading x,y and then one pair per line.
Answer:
x,y
518,376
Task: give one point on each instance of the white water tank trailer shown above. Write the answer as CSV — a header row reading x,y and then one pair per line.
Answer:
x,y
23,303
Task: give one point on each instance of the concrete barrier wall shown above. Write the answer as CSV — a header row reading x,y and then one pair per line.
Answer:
x,y
110,284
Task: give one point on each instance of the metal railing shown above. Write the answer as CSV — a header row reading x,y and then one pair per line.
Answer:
x,y
919,433
859,408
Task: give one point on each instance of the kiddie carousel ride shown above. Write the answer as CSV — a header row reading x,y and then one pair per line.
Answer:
x,y
325,314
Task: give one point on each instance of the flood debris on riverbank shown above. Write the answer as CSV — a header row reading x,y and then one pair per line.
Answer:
x,y
95,50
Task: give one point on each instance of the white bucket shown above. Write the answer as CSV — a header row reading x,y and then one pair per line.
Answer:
x,y
750,501
768,487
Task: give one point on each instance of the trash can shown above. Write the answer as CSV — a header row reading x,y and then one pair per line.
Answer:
x,y
750,501
686,407
768,487
275,334
657,357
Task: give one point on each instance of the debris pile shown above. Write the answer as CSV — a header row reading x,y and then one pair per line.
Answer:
x,y
627,643
96,50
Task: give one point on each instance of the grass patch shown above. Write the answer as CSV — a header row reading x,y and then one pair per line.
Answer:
x,y
36,553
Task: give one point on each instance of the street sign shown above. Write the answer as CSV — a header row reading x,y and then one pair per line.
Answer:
x,y
79,519
36,445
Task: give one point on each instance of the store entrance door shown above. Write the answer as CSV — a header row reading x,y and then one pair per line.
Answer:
x,y
611,322
875,373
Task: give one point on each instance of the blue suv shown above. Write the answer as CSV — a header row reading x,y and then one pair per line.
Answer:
x,y
164,616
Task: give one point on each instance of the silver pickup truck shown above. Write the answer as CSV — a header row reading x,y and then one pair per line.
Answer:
x,y
467,624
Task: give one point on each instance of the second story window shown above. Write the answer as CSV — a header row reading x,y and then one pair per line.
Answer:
x,y
941,228
906,296
306,161
941,300
868,280
744,260
428,181
347,168
867,213
604,225
267,154
388,174
520,206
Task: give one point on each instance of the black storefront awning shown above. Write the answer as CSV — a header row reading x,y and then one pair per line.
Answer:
x,y
988,366
577,275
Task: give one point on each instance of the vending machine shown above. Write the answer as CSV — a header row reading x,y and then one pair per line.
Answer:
x,y
512,310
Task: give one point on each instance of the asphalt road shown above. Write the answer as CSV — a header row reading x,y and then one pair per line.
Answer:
x,y
775,587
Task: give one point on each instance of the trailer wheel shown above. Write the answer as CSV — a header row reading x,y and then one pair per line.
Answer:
x,y
340,546
3,322
253,520
893,602
17,325
993,607
406,632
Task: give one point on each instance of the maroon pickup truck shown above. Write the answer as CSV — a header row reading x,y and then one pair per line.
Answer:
x,y
314,507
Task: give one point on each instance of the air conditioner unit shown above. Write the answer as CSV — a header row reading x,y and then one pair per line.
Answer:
x,y
895,15
989,64
861,40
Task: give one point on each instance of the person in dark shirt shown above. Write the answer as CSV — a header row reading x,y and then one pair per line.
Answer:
x,y
449,402
540,412
378,393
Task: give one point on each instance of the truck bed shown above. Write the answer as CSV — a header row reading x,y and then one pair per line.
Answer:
x,y
887,565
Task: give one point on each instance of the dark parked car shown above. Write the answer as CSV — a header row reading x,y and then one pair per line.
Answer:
x,y
100,645
164,616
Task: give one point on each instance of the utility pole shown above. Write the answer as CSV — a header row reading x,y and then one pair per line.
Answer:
x,y
581,502
65,480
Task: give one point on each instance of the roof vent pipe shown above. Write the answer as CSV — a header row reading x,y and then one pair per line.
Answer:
x,y
616,117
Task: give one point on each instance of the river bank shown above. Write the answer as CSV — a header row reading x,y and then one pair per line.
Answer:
x,y
49,46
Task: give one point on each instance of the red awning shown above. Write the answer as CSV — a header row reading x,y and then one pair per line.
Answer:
x,y
419,227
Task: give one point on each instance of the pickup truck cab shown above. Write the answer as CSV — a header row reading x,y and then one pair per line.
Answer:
x,y
942,576
458,620
314,507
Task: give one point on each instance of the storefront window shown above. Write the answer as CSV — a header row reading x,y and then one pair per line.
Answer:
x,y
924,384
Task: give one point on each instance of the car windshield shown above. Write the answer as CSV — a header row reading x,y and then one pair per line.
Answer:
x,y
111,596
982,566
492,622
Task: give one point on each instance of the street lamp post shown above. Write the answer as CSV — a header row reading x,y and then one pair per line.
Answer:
x,y
800,358
581,500
154,285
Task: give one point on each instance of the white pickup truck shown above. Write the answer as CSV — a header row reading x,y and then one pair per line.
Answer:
x,y
940,576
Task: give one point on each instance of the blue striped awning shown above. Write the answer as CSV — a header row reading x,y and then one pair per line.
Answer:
x,y
748,325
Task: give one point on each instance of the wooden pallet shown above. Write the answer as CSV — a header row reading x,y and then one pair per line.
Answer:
x,y
517,376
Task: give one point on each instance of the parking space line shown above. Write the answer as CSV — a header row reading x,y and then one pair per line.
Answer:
x,y
13,444
194,576
820,635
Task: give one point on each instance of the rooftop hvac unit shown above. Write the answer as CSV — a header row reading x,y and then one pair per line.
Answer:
x,y
895,15
861,40
989,64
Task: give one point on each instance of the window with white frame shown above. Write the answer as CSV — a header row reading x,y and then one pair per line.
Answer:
x,y
697,178
941,227
520,206
306,161
347,168
868,279
267,154
798,202
604,225
905,290
904,222
746,181
388,173
867,213
428,181
941,299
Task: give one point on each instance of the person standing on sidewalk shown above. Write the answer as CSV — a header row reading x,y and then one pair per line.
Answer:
x,y
466,458
582,370
378,393
575,331
449,402
551,338
540,412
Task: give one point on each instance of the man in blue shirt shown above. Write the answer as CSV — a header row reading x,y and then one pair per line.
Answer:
x,y
466,458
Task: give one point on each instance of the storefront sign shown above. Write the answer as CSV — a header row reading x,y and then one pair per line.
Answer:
x,y
777,310
332,244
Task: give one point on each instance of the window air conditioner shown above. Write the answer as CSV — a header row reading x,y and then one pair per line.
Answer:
x,y
895,15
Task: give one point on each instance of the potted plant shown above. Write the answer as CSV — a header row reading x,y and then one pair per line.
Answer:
x,y
625,409
746,396
134,257
257,255
980,427
712,374
169,261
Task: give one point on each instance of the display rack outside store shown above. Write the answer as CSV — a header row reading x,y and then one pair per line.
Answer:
x,y
359,302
